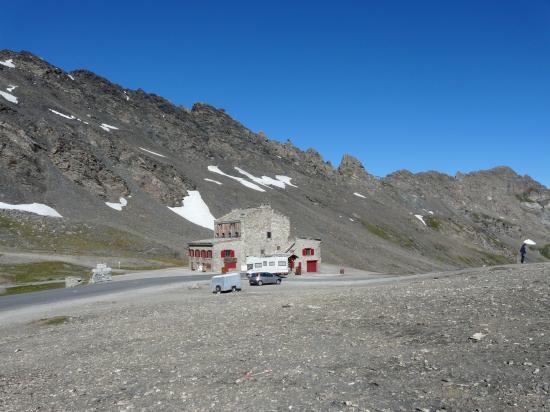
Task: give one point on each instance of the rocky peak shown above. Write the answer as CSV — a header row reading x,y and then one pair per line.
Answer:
x,y
351,166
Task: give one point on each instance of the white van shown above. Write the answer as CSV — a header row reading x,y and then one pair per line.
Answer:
x,y
225,283
270,264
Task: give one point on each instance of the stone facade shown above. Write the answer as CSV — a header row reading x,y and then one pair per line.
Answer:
x,y
258,231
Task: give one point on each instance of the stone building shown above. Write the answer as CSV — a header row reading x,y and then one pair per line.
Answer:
x,y
257,231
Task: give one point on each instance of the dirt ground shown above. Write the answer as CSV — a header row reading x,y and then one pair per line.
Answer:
x,y
478,340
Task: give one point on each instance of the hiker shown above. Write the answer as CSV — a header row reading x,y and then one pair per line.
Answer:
x,y
523,252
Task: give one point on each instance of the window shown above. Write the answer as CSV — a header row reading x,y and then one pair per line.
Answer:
x,y
265,262
223,234
269,235
309,251
228,253
281,263
250,266
236,234
258,265
197,253
262,252
203,253
209,254
278,247
271,263
229,234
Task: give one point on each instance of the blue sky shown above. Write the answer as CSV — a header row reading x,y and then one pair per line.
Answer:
x,y
418,85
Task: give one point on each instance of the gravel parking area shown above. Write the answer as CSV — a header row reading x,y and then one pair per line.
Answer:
x,y
478,340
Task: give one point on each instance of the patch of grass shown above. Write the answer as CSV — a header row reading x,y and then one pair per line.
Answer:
x,y
168,261
375,230
432,222
15,290
40,271
524,197
388,235
56,320
545,251
495,259
78,238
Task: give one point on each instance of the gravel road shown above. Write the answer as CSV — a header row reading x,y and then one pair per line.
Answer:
x,y
475,340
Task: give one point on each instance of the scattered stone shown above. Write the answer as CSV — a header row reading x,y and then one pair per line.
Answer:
x,y
72,281
477,336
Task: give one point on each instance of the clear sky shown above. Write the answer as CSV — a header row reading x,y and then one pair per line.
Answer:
x,y
419,85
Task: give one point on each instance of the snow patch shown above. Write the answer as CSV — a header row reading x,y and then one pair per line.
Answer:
x,y
213,181
126,96
70,77
421,218
108,127
117,206
9,97
10,88
529,242
149,151
359,195
195,210
244,182
71,117
430,212
36,208
8,63
285,179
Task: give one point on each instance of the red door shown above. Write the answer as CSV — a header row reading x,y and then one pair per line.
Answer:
x,y
312,266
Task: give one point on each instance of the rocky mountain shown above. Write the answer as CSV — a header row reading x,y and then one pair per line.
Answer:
x,y
113,161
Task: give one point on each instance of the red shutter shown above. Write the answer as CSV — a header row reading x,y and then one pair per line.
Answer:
x,y
222,253
197,253
303,252
312,251
232,253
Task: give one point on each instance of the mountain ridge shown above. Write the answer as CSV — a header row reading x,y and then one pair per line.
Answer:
x,y
78,137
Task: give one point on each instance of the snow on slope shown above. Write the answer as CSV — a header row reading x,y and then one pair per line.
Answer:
x,y
279,181
244,182
359,195
8,63
108,127
195,210
213,181
117,206
11,88
36,208
285,179
71,117
9,97
149,151
421,218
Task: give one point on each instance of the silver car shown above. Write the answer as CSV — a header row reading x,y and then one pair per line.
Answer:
x,y
264,278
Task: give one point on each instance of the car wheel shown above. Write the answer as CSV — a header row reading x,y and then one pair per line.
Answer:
x,y
218,289
234,289
278,281
260,283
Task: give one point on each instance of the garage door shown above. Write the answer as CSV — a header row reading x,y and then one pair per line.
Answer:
x,y
312,266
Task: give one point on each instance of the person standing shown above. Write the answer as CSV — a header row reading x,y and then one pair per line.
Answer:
x,y
523,252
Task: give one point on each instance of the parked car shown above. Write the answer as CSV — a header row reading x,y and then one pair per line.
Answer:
x,y
225,283
264,278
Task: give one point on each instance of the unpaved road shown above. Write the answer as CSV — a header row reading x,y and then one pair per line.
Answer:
x,y
390,345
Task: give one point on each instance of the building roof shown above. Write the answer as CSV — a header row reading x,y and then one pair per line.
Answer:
x,y
212,241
